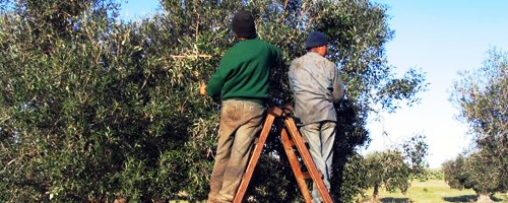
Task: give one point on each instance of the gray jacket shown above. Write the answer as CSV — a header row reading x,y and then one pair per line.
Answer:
x,y
316,86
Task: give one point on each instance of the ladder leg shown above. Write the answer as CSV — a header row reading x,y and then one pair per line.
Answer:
x,y
258,148
307,159
295,165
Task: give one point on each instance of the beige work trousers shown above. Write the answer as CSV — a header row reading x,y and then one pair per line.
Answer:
x,y
240,122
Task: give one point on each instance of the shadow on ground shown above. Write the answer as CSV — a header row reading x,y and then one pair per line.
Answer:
x,y
467,198
395,200
463,198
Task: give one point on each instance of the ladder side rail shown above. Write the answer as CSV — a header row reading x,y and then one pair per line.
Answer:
x,y
295,165
256,153
307,159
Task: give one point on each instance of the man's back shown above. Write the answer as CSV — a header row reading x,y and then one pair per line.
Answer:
x,y
316,86
244,71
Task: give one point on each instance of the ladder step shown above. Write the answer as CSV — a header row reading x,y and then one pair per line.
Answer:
x,y
307,159
293,143
306,175
298,155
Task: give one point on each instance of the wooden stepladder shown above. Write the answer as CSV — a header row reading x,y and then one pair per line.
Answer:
x,y
291,139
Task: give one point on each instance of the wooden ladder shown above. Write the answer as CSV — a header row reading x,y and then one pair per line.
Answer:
x,y
291,139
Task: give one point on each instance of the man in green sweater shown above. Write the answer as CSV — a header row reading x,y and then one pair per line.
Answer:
x,y
241,81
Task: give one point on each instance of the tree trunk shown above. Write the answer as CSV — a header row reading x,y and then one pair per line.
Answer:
x,y
375,194
483,197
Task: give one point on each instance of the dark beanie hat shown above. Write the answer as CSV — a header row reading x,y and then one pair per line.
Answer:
x,y
243,24
316,39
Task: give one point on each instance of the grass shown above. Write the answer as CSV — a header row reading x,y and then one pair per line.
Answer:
x,y
433,191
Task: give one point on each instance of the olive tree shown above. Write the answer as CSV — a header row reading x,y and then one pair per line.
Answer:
x,y
391,169
477,171
481,96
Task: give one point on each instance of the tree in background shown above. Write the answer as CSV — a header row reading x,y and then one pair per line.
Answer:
x,y
482,98
477,171
391,169
95,110
387,170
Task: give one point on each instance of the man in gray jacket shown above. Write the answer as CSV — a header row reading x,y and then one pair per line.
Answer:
x,y
317,87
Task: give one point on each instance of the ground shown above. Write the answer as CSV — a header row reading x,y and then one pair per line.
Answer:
x,y
433,191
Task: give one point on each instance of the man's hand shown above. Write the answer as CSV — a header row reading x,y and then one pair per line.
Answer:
x,y
287,108
202,89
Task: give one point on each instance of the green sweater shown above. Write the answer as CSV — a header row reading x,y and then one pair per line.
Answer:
x,y
244,71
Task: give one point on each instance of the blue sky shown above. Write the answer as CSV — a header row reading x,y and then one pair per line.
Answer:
x,y
440,37
133,9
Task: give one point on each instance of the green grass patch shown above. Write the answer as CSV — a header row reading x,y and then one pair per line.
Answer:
x,y
432,191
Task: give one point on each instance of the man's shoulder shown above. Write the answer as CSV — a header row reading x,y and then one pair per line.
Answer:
x,y
261,44
263,41
297,61
312,58
230,53
329,63
270,45
309,56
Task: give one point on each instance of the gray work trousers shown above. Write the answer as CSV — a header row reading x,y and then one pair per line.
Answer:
x,y
320,137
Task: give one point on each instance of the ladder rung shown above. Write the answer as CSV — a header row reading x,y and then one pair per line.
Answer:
x,y
304,141
306,175
296,148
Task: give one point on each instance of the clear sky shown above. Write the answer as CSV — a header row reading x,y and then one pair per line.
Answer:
x,y
134,9
439,36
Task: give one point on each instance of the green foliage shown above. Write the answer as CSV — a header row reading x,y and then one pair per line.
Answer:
x,y
345,170
60,15
377,170
415,151
477,171
435,191
93,109
431,174
274,183
3,195
455,175
387,169
358,30
483,104
102,116
482,101
392,169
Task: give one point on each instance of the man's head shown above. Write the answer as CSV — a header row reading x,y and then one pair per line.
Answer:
x,y
243,25
317,42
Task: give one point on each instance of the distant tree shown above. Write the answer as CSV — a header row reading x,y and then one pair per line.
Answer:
x,y
394,169
415,151
482,97
432,174
387,170
478,171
